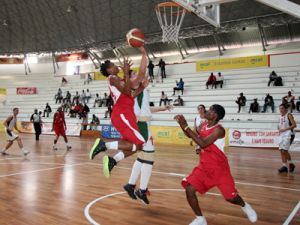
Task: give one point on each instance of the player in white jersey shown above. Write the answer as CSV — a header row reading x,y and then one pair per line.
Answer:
x,y
285,127
11,123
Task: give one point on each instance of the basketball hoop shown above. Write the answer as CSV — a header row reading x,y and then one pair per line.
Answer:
x,y
170,16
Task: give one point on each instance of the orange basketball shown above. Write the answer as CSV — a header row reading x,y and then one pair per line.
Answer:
x,y
135,38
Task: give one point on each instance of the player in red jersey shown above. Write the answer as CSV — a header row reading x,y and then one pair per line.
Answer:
x,y
123,117
213,169
59,127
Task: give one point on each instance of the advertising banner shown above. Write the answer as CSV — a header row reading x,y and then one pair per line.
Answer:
x,y
232,63
26,91
169,135
3,91
72,57
253,138
108,131
11,61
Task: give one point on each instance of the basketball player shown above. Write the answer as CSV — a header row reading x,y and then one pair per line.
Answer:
x,y
123,117
11,123
213,169
199,119
59,127
285,127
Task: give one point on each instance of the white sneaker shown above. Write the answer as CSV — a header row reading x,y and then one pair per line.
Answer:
x,y
25,152
249,211
200,220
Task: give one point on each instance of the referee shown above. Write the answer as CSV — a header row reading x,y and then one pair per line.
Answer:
x,y
36,120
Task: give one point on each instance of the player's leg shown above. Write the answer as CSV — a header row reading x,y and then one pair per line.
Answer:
x,y
20,143
289,161
66,141
55,141
8,145
284,145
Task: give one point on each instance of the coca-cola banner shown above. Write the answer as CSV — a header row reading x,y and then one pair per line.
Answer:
x,y
11,61
26,91
253,138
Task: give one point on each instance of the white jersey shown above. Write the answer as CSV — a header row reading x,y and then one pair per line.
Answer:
x,y
142,106
283,124
199,121
12,123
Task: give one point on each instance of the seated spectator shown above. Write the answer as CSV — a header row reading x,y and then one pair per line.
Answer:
x,y
67,99
298,104
241,101
150,70
88,95
163,98
254,106
219,80
89,79
47,110
72,111
95,122
83,97
178,101
78,109
269,101
64,81
97,101
289,101
179,86
58,96
272,77
86,108
211,81
85,121
76,97
105,100
66,106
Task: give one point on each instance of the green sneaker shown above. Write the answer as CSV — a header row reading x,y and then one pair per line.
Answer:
x,y
108,165
99,146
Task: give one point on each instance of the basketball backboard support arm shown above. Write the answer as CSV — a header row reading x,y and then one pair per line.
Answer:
x,y
209,10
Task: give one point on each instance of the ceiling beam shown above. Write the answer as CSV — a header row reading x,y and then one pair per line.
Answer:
x,y
284,6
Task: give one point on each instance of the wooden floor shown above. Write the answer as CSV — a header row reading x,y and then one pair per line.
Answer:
x,y
55,188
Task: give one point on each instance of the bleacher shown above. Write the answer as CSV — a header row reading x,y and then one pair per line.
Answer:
x,y
252,82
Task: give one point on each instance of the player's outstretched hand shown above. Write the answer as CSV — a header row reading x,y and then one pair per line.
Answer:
x,y
127,63
181,121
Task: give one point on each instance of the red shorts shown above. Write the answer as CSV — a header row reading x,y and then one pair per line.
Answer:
x,y
125,122
59,131
203,179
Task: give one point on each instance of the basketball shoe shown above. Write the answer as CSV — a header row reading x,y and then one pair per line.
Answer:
x,y
200,220
142,194
250,212
108,165
129,188
99,146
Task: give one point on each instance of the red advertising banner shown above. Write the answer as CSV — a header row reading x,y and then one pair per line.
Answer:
x,y
72,57
11,61
27,91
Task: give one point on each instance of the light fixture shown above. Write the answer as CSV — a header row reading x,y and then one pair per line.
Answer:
x,y
69,9
5,23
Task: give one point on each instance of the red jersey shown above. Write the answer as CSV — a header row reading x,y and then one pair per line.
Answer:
x,y
59,119
212,156
120,100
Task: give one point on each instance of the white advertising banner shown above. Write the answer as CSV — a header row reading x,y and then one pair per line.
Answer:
x,y
253,138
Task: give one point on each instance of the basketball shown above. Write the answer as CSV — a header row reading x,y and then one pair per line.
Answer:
x,y
135,38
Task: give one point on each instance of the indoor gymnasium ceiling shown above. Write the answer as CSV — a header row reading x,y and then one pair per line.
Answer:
x,y
66,25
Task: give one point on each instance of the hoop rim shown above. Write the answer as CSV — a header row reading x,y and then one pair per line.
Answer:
x,y
170,4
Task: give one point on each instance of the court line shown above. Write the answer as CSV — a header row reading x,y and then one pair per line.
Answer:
x,y
42,156
41,170
32,163
184,175
88,206
293,213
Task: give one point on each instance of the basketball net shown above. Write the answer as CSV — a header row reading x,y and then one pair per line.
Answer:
x,y
170,16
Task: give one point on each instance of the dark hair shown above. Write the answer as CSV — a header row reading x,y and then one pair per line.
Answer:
x,y
219,110
103,68
14,109
202,106
284,105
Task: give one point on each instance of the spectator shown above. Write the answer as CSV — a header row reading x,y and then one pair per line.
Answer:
x,y
289,101
95,122
219,80
66,106
298,104
67,99
83,97
178,101
76,97
85,121
88,95
78,109
241,101
73,111
47,110
89,79
64,81
105,100
272,77
37,122
58,96
163,98
254,106
269,101
86,108
179,86
97,101
211,81
162,66
151,70
109,104
199,119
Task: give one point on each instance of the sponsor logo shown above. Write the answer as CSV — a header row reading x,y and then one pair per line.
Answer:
x,y
26,91
236,134
239,141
